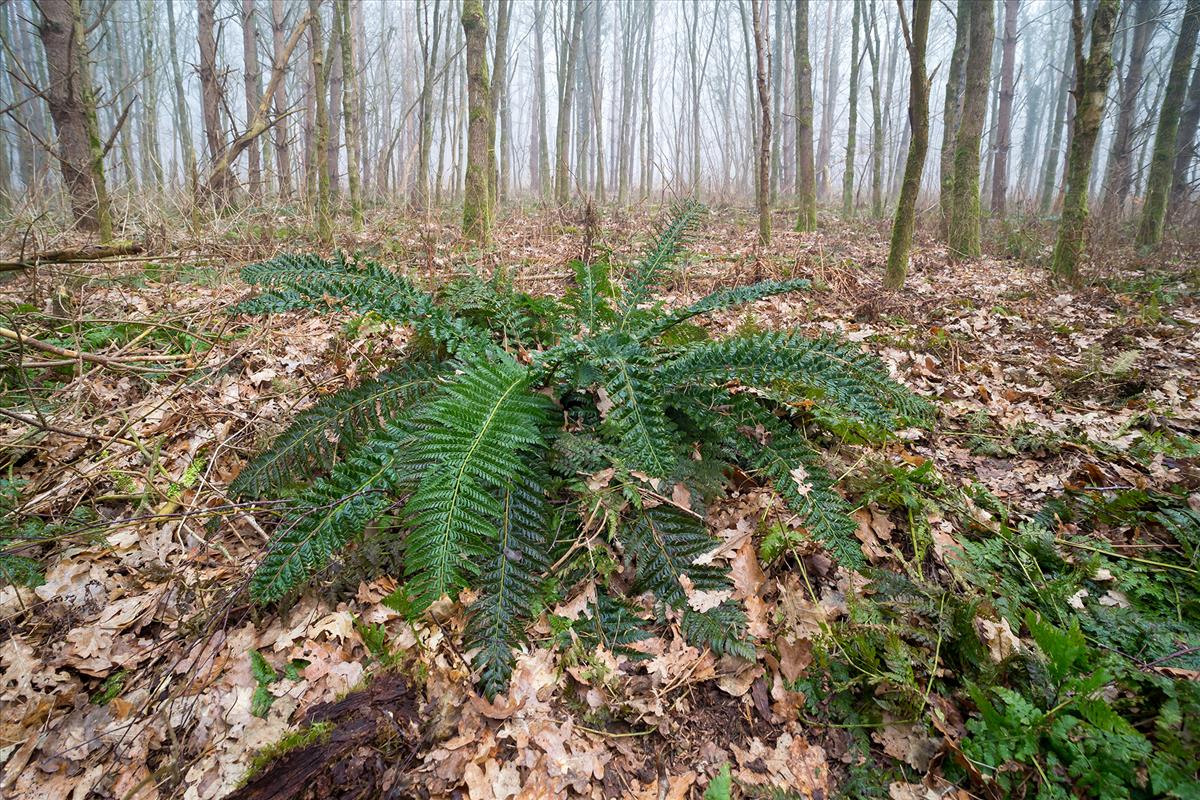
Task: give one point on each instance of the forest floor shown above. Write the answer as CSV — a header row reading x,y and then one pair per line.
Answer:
x,y
139,669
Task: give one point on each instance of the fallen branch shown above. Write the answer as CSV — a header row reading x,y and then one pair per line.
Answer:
x,y
74,255
121,363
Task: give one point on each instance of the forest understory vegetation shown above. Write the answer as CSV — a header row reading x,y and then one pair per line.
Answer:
x,y
937,542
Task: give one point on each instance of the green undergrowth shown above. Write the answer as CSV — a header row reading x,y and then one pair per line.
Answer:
x,y
1054,655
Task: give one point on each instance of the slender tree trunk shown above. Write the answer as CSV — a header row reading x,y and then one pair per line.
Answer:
x,y
182,116
429,42
871,42
1004,114
477,220
333,70
806,185
1150,231
851,143
1054,147
1185,147
952,111
764,103
964,236
1091,88
223,183
151,161
283,155
647,106
562,137
914,165
776,101
320,148
539,153
496,97
350,110
253,90
1120,157
71,97
829,78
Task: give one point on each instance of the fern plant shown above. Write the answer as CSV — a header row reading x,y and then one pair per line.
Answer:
x,y
521,433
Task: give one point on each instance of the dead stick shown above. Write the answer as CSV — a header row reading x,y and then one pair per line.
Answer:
x,y
75,354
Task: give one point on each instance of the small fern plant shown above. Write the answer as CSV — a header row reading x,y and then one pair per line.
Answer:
x,y
521,441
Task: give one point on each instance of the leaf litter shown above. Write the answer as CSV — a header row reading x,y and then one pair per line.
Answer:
x,y
148,594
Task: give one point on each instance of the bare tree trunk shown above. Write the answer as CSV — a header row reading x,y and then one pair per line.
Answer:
x,y
1091,88
182,116
1158,185
477,220
1185,147
776,102
764,104
152,171
222,183
253,90
647,107
283,155
806,187
1054,146
320,170
562,136
1004,112
952,111
72,101
871,42
852,134
341,12
964,235
539,149
429,53
1120,157
496,97
914,166
333,70
829,77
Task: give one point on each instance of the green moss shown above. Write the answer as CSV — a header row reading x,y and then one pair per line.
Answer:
x,y
312,734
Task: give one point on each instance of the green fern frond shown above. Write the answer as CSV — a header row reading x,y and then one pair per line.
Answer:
x,y
724,298
647,273
722,629
310,281
796,369
480,428
636,424
336,423
666,542
510,580
589,297
18,570
335,509
794,469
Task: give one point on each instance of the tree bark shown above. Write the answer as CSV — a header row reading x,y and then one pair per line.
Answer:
x,y
1150,231
477,220
1004,112
333,72
539,150
952,112
320,144
851,144
1054,145
871,42
964,234
1120,157
350,111
222,182
1185,147
647,106
764,103
829,79
1091,88
914,165
562,135
253,91
806,185
72,101
283,155
496,97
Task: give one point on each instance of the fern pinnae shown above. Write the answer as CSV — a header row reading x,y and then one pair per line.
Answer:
x,y
721,299
335,423
648,271
333,511
510,579
480,426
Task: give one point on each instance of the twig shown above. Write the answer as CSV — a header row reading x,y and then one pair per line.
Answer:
x,y
122,363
